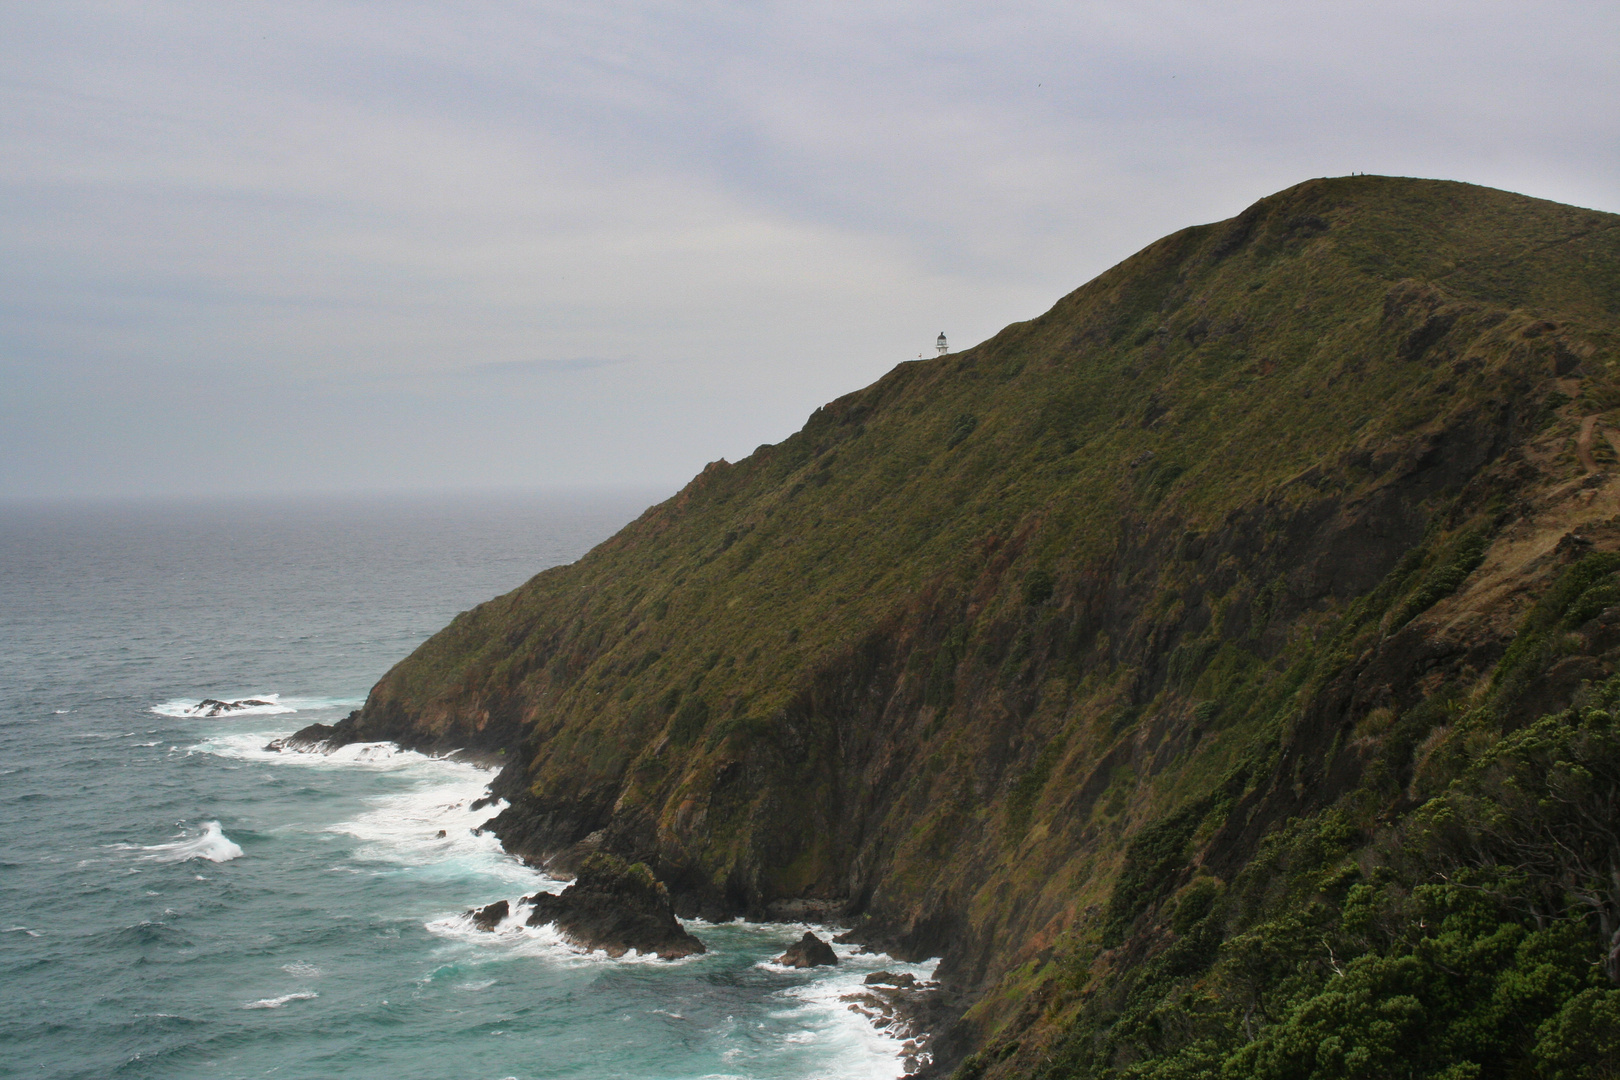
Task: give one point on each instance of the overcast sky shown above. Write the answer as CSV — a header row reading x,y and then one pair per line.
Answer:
x,y
343,246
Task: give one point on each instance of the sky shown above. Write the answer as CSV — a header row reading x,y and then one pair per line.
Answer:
x,y
335,247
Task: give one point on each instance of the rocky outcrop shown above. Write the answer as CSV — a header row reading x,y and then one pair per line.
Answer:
x,y
809,951
901,981
908,1010
313,737
489,916
210,707
615,906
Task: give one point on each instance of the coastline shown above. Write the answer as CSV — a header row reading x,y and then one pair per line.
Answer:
x,y
908,1016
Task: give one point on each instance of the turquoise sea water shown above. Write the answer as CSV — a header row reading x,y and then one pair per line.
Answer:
x,y
175,901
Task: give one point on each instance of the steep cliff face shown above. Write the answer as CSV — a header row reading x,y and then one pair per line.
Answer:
x,y
1000,655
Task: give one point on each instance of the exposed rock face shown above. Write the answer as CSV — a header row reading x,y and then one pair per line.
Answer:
x,y
489,916
313,737
809,951
616,906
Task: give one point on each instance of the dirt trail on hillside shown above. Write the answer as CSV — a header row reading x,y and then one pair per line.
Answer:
x,y
1583,444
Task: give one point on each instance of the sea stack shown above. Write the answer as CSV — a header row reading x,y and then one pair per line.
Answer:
x,y
809,951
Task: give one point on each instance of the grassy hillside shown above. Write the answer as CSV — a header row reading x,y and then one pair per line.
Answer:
x,y
1092,656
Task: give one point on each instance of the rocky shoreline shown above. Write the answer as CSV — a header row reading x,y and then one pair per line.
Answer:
x,y
910,1010
311,739
326,738
619,907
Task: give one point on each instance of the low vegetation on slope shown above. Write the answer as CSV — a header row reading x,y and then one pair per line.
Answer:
x,y
1160,662
1456,913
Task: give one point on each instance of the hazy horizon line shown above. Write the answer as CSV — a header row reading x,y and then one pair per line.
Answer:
x,y
658,491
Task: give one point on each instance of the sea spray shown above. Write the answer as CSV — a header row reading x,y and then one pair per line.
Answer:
x,y
211,844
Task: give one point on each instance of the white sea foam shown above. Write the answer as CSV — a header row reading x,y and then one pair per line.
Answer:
x,y
402,829
241,705
278,1002
845,1044
250,745
812,1012
211,844
432,828
514,937
848,1037
301,969
190,708
429,827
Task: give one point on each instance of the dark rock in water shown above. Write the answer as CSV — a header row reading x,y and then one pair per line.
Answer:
x,y
808,951
616,906
215,707
490,916
441,834
313,737
889,978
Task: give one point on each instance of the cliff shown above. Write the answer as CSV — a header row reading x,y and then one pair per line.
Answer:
x,y
1047,657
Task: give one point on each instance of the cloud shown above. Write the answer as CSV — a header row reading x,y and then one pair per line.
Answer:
x,y
385,214
519,368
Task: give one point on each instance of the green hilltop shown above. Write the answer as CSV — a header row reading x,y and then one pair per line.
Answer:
x,y
1188,666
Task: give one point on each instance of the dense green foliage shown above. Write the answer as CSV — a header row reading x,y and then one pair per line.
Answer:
x,y
1576,598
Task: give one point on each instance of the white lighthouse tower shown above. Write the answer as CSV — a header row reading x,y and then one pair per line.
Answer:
x,y
940,346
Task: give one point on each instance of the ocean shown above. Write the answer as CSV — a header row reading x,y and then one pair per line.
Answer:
x,y
176,901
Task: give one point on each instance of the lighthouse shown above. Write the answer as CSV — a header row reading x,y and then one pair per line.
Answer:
x,y
940,346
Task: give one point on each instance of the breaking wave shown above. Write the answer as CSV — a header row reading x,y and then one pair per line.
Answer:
x,y
253,705
278,1002
212,844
